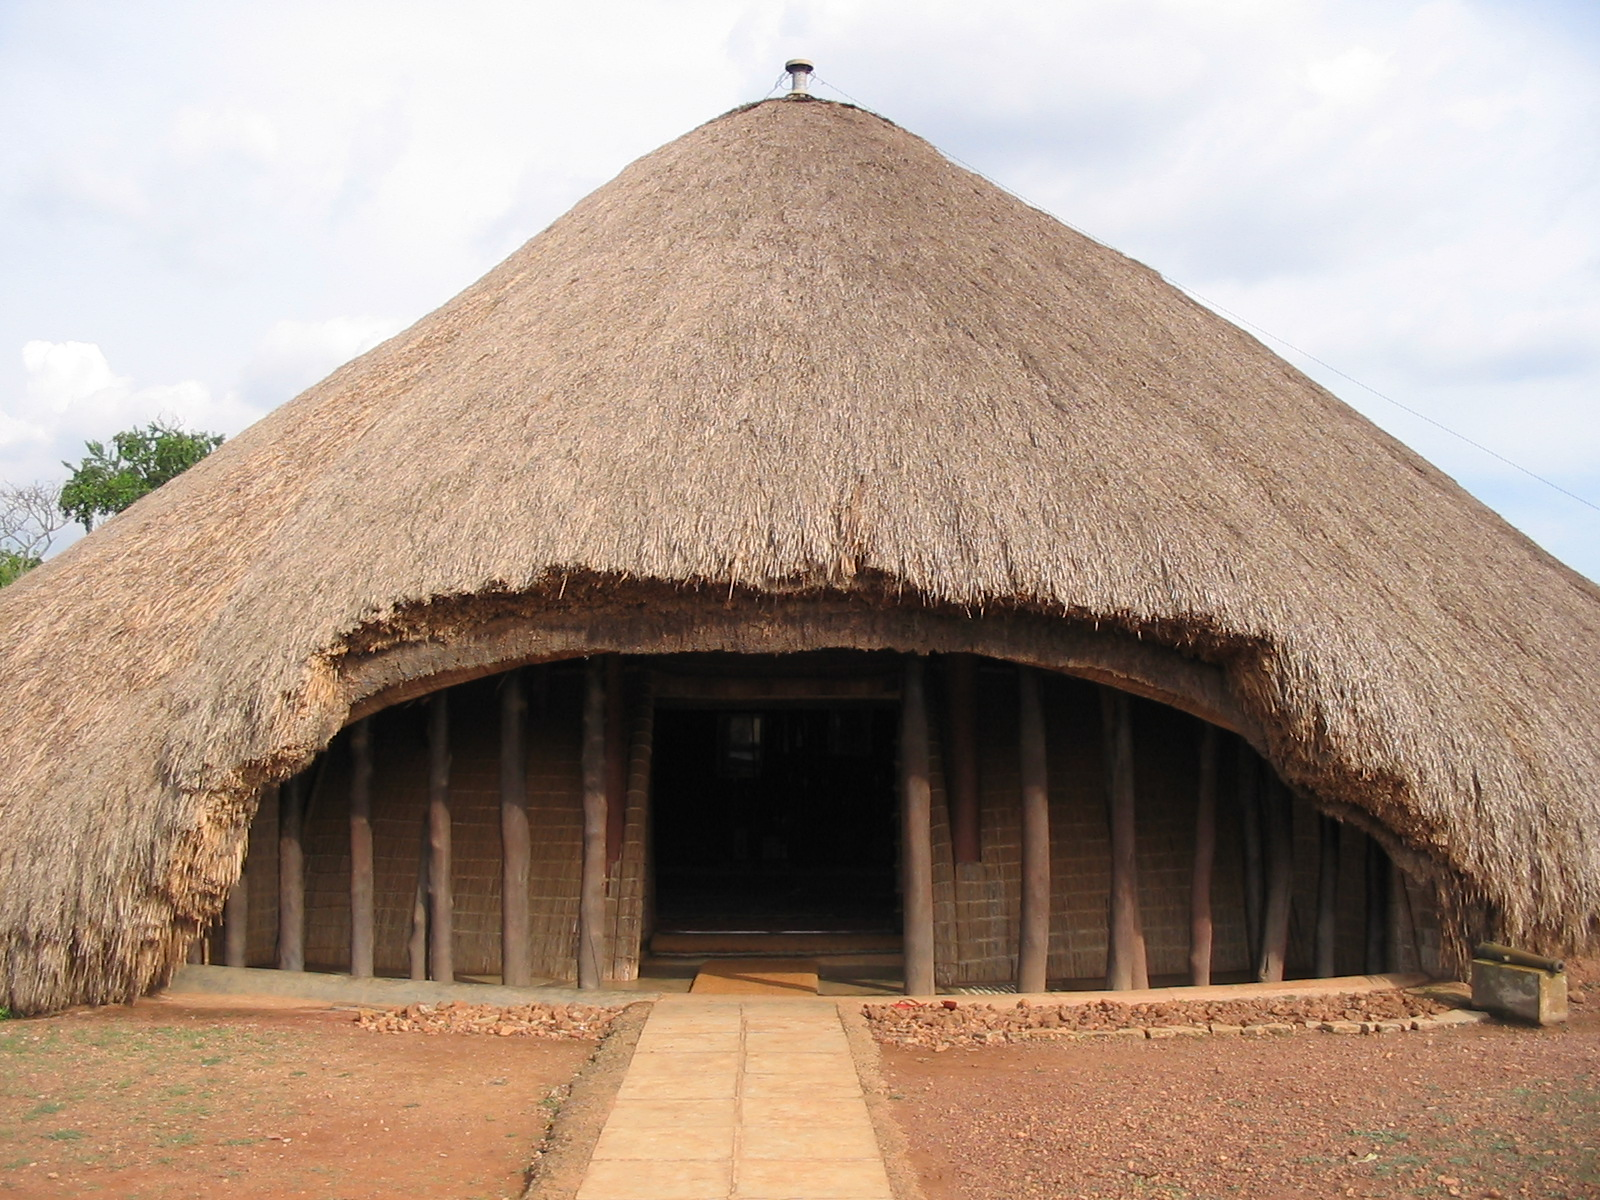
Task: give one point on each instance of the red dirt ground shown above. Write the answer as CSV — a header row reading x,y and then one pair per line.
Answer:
x,y
172,1099
1481,1111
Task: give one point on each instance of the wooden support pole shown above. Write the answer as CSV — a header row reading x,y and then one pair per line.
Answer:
x,y
1205,856
292,875
441,901
1399,920
616,762
236,924
1247,782
417,940
516,842
1377,939
961,755
916,831
361,868
1276,802
260,887
592,888
1328,830
236,917
1033,946
1126,965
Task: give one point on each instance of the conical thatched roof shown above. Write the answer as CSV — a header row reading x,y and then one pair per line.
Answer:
x,y
792,380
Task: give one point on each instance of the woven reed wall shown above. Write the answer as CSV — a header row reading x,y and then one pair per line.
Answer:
x,y
399,805
975,905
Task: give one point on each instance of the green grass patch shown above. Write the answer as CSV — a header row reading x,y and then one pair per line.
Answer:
x,y
65,1135
1381,1137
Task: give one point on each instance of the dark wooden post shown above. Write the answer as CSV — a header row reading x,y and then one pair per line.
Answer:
x,y
1033,946
916,824
1205,856
361,870
1280,882
616,762
417,940
592,888
1126,965
441,902
961,755
236,923
1327,895
292,875
1399,919
1377,939
1248,785
516,843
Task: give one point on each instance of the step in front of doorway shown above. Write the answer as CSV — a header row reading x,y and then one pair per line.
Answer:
x,y
800,944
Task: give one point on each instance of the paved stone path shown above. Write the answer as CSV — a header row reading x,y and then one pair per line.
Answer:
x,y
753,1099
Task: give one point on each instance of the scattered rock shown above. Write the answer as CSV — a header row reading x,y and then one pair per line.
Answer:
x,y
943,1023
581,1021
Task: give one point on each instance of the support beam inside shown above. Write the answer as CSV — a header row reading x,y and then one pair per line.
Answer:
x,y
1247,786
516,840
1328,830
1126,964
441,902
1275,802
592,888
292,875
916,848
1033,945
361,863
1205,854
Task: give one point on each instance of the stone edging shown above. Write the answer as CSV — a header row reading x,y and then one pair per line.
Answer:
x,y
892,1142
562,1157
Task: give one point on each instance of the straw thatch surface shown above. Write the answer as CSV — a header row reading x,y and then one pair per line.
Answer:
x,y
796,352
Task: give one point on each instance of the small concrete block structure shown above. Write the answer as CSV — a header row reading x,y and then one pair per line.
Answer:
x,y
1518,992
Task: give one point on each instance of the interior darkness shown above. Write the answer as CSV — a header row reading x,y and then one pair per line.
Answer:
x,y
776,820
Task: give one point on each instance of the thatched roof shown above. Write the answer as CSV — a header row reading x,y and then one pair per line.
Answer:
x,y
792,380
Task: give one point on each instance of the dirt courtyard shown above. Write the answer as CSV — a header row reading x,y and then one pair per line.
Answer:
x,y
171,1099
1485,1111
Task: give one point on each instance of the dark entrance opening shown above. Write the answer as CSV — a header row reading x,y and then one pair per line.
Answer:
x,y
775,820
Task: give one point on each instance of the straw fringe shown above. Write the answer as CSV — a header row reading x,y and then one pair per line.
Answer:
x,y
795,354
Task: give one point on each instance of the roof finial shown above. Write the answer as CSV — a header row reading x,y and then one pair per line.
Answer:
x,y
799,70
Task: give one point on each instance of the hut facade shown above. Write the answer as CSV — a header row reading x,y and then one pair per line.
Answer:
x,y
799,538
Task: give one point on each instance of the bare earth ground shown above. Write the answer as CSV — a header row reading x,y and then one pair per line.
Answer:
x,y
173,1099
1480,1111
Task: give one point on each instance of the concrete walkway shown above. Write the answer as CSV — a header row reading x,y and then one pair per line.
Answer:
x,y
752,1099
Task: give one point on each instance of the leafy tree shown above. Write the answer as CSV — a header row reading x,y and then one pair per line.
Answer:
x,y
13,566
138,461
30,518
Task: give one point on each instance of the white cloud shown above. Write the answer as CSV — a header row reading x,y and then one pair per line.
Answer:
x,y
71,395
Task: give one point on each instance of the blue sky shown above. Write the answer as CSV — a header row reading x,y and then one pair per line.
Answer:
x,y
204,208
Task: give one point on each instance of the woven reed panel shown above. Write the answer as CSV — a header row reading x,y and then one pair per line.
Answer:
x,y
261,883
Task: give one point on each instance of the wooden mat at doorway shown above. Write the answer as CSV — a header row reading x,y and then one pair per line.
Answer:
x,y
756,977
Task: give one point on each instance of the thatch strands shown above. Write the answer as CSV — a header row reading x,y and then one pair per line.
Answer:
x,y
796,351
